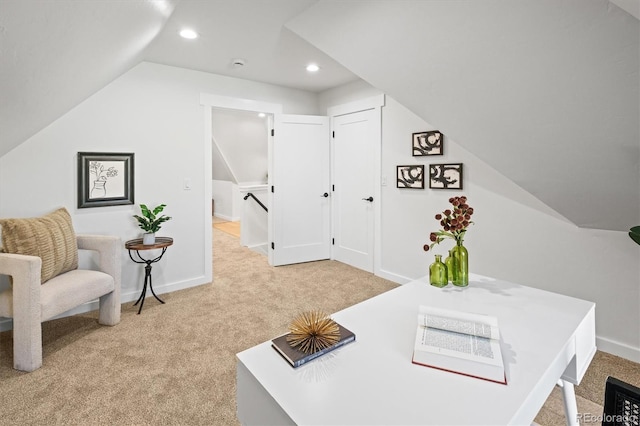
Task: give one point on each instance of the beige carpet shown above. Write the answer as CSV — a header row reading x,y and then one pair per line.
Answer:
x,y
175,363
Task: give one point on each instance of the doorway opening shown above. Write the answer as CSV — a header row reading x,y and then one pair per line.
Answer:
x,y
239,164
364,197
211,102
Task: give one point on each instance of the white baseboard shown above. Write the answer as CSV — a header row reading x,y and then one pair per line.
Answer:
x,y
393,277
619,349
125,297
260,248
225,217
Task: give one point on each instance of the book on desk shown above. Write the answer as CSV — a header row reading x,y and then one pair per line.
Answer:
x,y
297,358
460,342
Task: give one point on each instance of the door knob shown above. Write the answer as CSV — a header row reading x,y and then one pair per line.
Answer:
x,y
370,199
325,195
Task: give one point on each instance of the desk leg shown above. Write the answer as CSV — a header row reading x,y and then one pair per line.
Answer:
x,y
570,405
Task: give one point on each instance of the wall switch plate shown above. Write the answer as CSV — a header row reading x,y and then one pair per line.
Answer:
x,y
384,181
187,184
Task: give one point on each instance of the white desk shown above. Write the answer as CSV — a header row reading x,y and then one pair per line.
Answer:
x,y
545,337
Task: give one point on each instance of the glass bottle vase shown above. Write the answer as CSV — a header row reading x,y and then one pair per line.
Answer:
x,y
460,265
449,264
438,273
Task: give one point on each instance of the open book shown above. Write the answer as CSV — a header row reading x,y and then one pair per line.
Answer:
x,y
460,342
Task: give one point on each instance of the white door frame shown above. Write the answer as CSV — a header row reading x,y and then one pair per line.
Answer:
x,y
210,101
376,103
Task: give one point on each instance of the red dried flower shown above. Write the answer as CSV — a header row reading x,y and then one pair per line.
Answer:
x,y
454,223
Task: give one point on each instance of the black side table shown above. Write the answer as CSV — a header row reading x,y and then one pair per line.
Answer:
x,y
137,246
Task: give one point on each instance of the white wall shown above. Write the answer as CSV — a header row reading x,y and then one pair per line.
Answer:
x,y
153,111
219,168
515,236
241,137
227,199
254,232
346,93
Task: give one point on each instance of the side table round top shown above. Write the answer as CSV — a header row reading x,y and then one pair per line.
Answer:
x,y
136,244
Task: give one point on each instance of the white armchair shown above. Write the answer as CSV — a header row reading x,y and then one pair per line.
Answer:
x,y
30,303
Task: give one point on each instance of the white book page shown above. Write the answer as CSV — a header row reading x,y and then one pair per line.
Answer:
x,y
458,345
460,322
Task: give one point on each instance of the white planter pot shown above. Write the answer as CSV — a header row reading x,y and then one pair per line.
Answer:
x,y
148,239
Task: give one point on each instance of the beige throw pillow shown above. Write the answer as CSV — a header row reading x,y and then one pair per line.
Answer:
x,y
49,237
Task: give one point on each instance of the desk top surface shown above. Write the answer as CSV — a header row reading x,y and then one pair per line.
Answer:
x,y
373,381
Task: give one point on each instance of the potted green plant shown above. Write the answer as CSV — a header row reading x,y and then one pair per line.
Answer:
x,y
150,222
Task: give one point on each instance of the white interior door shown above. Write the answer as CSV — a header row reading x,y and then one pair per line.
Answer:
x,y
300,205
355,141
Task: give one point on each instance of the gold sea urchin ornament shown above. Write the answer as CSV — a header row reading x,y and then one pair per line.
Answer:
x,y
312,331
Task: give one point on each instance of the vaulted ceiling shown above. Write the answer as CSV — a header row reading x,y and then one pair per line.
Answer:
x,y
544,91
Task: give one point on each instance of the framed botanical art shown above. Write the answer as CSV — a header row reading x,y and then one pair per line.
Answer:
x,y
427,143
445,176
104,179
410,177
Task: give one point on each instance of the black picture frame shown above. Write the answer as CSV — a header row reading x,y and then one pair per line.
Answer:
x,y
411,177
105,179
427,143
445,176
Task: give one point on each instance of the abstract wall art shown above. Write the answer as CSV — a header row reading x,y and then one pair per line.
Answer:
x,y
427,143
445,176
410,177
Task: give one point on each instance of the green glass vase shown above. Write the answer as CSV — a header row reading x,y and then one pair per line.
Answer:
x,y
460,265
449,264
438,273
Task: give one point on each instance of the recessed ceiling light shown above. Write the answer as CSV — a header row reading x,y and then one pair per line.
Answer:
x,y
262,114
187,33
312,68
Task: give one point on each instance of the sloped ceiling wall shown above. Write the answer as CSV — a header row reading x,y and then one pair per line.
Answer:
x,y
55,54
220,169
545,91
